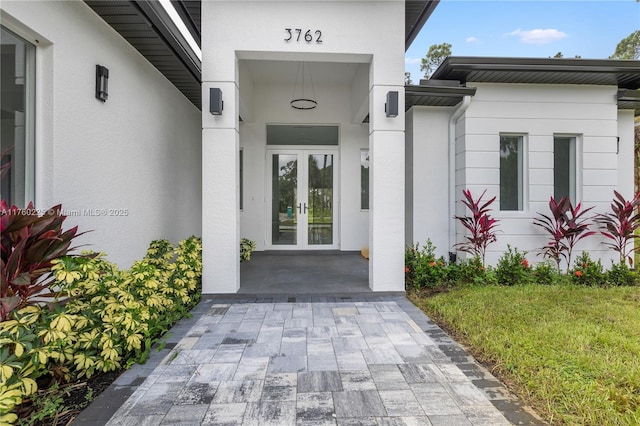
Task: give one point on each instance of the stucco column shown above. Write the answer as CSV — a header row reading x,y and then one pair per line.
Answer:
x,y
220,192
386,183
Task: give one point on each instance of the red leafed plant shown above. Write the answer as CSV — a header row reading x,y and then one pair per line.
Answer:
x,y
567,225
30,242
480,224
620,225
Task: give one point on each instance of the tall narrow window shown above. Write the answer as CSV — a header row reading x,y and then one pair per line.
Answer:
x,y
511,172
241,179
17,139
364,179
564,167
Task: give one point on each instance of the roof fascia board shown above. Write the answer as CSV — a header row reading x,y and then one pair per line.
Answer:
x,y
629,95
428,9
461,63
440,91
163,23
180,7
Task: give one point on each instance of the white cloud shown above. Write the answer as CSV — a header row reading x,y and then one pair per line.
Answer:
x,y
538,36
472,40
411,61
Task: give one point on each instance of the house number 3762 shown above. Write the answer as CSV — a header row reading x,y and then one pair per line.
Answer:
x,y
297,34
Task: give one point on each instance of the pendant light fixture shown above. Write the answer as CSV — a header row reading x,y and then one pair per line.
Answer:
x,y
303,91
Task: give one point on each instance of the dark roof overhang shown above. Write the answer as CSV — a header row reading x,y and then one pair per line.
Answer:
x,y
624,74
416,13
429,94
148,28
607,72
629,99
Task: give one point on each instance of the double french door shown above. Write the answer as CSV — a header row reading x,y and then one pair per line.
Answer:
x,y
302,190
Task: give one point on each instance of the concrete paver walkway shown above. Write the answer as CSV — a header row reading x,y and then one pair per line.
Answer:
x,y
314,363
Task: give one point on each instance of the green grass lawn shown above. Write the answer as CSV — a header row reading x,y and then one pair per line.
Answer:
x,y
571,352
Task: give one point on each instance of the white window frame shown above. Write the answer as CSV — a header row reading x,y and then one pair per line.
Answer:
x,y
41,121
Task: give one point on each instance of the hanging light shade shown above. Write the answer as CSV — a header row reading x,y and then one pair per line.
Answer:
x,y
304,94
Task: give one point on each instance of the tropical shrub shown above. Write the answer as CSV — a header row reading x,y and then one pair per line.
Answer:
x,y
481,226
588,272
423,268
246,248
566,227
513,268
621,275
108,318
620,225
547,273
30,244
472,271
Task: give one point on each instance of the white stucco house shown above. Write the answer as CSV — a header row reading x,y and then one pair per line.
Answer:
x,y
295,129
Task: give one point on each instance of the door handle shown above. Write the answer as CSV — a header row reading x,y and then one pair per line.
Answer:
x,y
305,208
299,208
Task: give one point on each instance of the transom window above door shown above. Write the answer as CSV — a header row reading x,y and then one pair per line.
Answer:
x,y
301,135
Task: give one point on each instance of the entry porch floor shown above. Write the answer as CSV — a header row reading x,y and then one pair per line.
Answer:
x,y
297,273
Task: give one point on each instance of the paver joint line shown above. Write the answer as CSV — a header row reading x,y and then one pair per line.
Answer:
x,y
300,361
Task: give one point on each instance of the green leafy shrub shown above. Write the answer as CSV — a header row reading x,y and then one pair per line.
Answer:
x,y
246,248
588,272
472,271
423,268
513,268
108,320
621,275
546,273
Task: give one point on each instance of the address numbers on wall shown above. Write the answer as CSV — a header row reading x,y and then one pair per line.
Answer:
x,y
298,35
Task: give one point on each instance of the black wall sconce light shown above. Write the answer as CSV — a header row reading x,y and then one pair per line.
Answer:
x,y
216,105
391,106
102,83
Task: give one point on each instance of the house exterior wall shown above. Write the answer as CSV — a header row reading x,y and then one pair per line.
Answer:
x,y
234,31
538,112
138,153
427,179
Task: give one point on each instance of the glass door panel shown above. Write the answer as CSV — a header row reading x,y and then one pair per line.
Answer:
x,y
284,202
320,199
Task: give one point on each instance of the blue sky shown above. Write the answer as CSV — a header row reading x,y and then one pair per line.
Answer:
x,y
519,28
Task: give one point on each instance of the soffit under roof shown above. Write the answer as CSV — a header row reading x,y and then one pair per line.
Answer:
x,y
629,99
442,96
624,74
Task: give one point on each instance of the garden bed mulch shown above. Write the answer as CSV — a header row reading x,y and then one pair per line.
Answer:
x,y
75,397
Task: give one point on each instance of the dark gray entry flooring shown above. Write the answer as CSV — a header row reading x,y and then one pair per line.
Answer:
x,y
304,272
